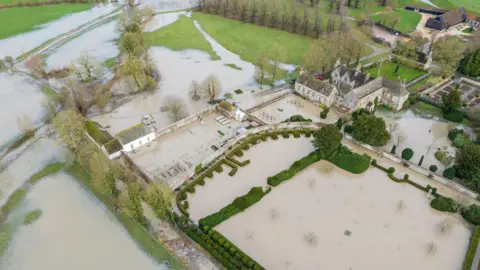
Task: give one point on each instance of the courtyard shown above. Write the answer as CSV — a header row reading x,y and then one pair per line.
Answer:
x,y
171,158
470,93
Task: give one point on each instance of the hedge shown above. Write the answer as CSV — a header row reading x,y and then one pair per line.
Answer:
x,y
238,205
407,153
294,168
238,163
444,204
454,116
433,168
449,173
350,161
472,249
348,129
472,214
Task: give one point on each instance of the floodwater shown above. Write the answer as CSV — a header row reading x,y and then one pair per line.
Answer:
x,y
74,232
208,199
162,20
303,223
99,43
20,96
41,153
168,5
423,136
19,44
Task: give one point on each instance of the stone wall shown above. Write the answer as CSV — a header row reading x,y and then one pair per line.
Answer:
x,y
431,89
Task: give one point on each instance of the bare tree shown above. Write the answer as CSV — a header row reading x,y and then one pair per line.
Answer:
x,y
195,89
25,124
311,239
445,227
85,68
263,13
254,11
317,27
70,128
284,15
305,20
176,107
261,69
392,127
101,97
400,206
243,11
294,17
34,64
211,87
274,214
431,248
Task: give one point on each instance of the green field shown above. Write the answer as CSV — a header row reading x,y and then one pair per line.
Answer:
x,y
388,68
19,20
179,36
467,4
407,20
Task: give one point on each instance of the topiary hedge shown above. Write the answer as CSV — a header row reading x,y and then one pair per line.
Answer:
x,y
449,173
238,205
294,168
407,153
444,204
433,168
454,116
350,161
472,249
472,214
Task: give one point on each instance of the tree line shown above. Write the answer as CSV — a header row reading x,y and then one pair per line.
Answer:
x,y
34,3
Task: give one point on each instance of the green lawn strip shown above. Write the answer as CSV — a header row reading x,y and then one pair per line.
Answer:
x,y
388,71
51,168
49,92
238,205
472,249
233,66
447,4
421,108
407,23
180,35
110,62
32,216
418,86
144,240
19,20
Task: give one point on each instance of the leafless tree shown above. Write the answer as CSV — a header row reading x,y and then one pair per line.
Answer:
x,y
311,239
101,96
195,89
176,107
279,57
274,214
400,205
85,68
305,20
254,11
294,17
34,64
445,227
25,124
392,127
211,87
263,13
284,15
317,26
243,11
431,248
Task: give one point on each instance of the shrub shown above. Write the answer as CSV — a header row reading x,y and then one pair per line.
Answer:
x,y
238,205
394,149
350,161
452,134
201,182
296,134
472,214
407,153
323,114
198,168
348,129
274,136
221,241
391,170
209,174
285,134
405,177
219,168
185,205
461,140
444,204
421,161
449,173
454,116
433,168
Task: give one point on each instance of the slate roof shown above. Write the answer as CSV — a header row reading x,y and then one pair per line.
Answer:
x,y
315,84
393,87
451,18
358,77
132,133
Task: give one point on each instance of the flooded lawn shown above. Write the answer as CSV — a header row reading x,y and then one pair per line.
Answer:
x,y
99,43
74,232
20,96
423,136
283,109
303,223
19,44
266,159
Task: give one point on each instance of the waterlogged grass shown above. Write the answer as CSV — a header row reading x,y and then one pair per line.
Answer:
x,y
233,66
110,62
14,200
14,21
4,239
180,35
50,169
21,140
32,216
422,109
144,240
49,92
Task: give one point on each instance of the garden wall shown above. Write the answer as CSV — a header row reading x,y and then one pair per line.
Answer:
x,y
431,89
185,121
418,169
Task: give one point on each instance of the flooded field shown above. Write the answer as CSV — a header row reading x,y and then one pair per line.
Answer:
x,y
336,220
99,43
20,96
74,232
22,43
266,159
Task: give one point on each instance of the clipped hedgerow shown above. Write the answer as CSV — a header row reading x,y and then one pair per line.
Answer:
x,y
201,182
219,168
444,204
285,134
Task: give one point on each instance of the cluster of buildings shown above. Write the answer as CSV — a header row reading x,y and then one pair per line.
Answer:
x,y
351,89
444,19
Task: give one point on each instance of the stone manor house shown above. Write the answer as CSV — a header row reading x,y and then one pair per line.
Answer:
x,y
351,89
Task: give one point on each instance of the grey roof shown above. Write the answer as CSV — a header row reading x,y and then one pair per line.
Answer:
x,y
359,77
132,133
315,84
394,87
343,88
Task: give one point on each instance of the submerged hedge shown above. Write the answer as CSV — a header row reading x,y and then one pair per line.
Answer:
x,y
350,161
444,204
472,249
296,167
238,205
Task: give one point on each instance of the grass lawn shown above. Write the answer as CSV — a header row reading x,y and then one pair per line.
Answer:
x,y
179,36
49,92
388,68
143,239
423,109
408,20
233,66
467,4
14,21
110,62
32,216
421,85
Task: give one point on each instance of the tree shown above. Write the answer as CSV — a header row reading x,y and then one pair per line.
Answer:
x,y
371,130
278,58
273,15
104,173
25,124
470,65
135,67
467,163
86,68
102,95
195,89
176,107
472,214
159,198
132,44
261,69
327,139
70,128
34,64
447,53
320,55
9,61
451,101
211,87
130,200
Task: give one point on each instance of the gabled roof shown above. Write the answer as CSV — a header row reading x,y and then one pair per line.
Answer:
x,y
359,77
451,18
315,84
393,87
132,133
226,106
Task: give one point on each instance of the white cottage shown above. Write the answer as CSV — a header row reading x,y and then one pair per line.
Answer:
x,y
135,136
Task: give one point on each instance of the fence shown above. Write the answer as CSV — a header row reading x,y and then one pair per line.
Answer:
x,y
419,169
268,102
